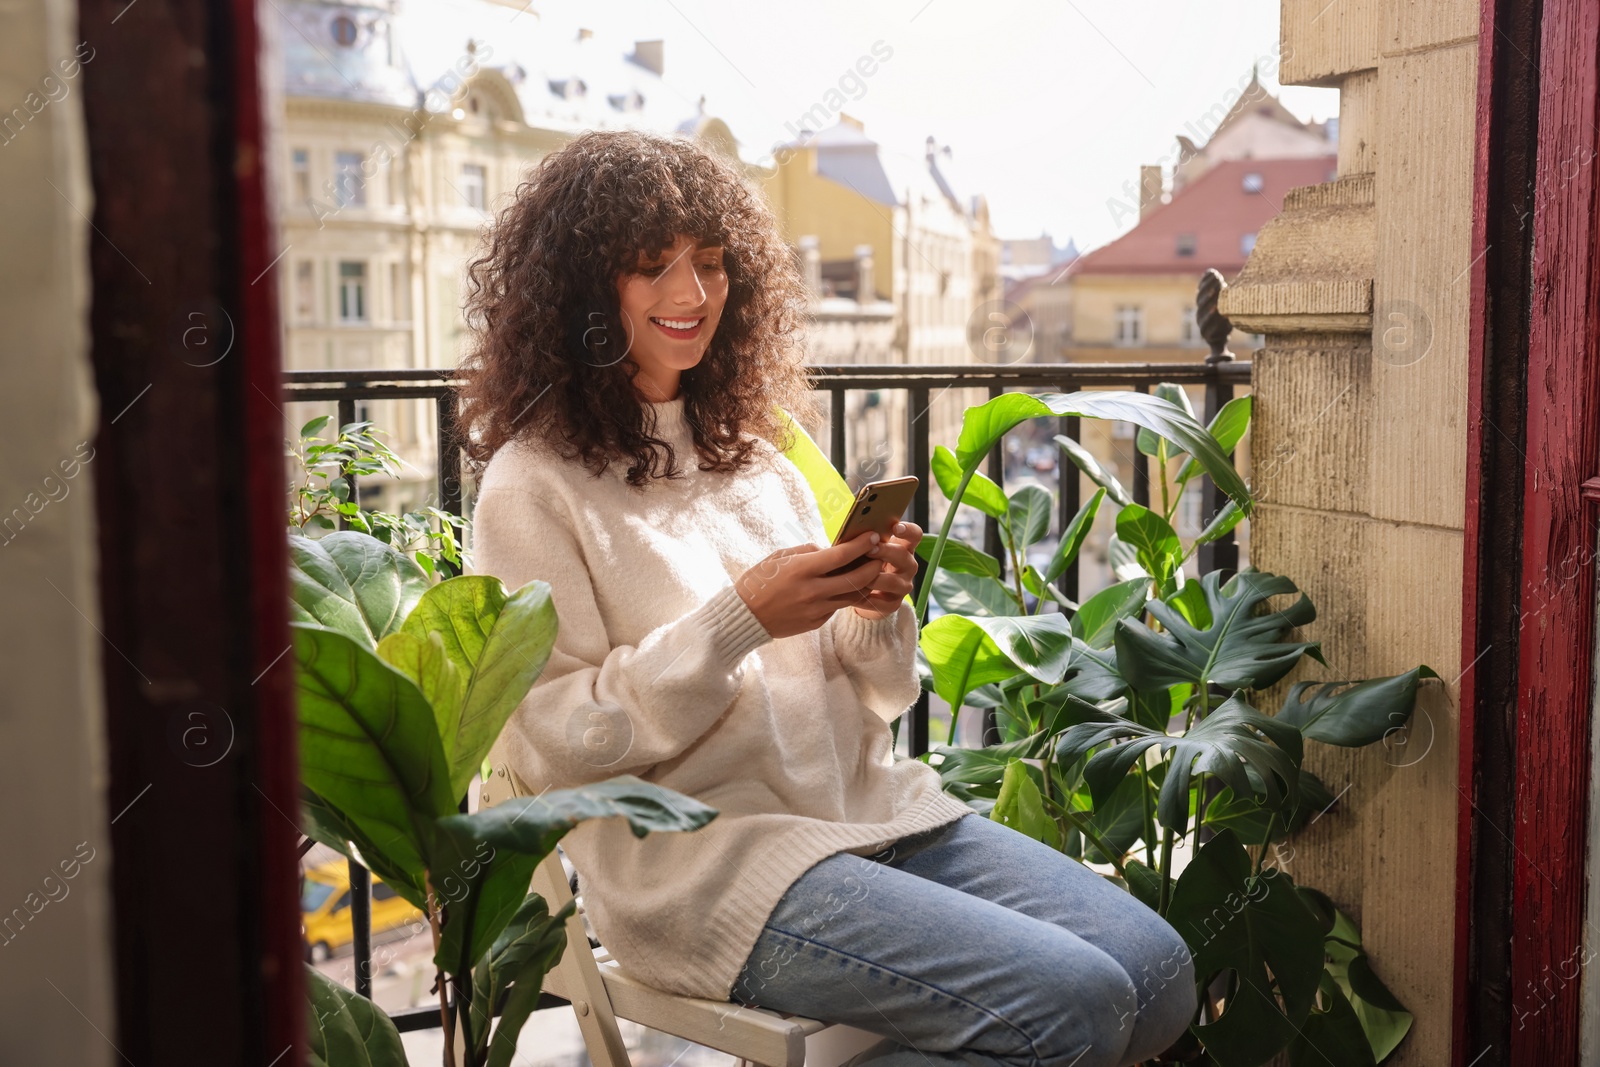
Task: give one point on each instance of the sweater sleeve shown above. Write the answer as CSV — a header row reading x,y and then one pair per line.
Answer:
x,y
879,657
597,711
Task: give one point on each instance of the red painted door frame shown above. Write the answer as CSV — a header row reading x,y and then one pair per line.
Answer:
x,y
1525,762
192,554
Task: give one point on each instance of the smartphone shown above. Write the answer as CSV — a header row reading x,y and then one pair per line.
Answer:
x,y
878,506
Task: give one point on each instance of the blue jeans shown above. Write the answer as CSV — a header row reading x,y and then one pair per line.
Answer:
x,y
971,944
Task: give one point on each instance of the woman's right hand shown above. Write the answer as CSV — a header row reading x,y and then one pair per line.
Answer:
x,y
791,592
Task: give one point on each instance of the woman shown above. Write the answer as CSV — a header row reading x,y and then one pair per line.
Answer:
x,y
638,320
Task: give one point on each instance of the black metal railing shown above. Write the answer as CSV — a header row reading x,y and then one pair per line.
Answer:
x,y
1219,373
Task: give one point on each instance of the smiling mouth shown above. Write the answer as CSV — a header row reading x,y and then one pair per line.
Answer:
x,y
682,329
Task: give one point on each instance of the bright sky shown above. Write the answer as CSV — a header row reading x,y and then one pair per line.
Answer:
x,y
1050,106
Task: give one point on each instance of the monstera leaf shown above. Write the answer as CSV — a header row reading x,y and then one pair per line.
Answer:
x,y
1353,714
1233,739
1240,649
1258,927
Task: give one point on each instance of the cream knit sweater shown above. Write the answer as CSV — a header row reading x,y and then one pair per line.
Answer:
x,y
661,670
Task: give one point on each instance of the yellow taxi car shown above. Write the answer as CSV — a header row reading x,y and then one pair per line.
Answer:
x,y
325,909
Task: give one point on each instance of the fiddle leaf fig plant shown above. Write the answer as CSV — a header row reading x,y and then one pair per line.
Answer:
x,y
404,685
1137,716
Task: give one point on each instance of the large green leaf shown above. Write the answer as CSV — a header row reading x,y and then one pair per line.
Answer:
x,y
960,557
1353,713
498,643
1227,427
1241,649
1225,743
1259,928
1073,536
1021,807
1383,1019
1085,461
347,1029
1248,818
369,745
534,825
323,822
425,661
981,492
529,947
962,650
985,424
962,657
984,768
1331,1036
1027,518
352,583
1178,397
1096,621
1152,539
973,594
479,888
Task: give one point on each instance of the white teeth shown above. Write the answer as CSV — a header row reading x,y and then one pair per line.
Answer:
x,y
677,324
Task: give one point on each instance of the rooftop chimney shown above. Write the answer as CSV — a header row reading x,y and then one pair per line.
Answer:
x,y
1149,190
648,54
811,264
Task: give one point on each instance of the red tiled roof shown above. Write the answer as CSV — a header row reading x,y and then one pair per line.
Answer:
x,y
1215,209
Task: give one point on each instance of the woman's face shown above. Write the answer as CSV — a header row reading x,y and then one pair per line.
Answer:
x,y
671,304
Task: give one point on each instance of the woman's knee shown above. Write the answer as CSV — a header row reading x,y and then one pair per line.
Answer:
x,y
1168,998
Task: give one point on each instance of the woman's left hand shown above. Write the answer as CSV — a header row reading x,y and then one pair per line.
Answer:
x,y
893,582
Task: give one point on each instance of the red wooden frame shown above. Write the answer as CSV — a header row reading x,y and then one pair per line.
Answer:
x,y
1541,923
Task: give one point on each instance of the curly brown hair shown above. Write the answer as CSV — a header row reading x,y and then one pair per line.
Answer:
x,y
542,302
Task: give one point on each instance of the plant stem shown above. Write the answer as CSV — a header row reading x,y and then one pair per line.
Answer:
x,y
1161,461
1149,817
938,547
1166,867
1266,843
439,979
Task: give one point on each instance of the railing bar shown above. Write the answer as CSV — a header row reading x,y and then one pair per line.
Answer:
x,y
1222,553
347,415
836,442
1067,481
1141,462
989,734
892,375
361,925
449,454
920,456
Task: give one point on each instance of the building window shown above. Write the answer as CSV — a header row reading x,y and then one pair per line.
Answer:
x,y
348,185
1186,244
1129,325
344,31
1253,182
302,174
352,292
1247,244
305,290
472,185
1190,332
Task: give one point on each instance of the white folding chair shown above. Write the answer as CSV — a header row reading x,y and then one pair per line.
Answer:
x,y
601,993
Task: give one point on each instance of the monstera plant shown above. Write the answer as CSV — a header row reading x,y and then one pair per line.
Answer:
x,y
1132,719
404,684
